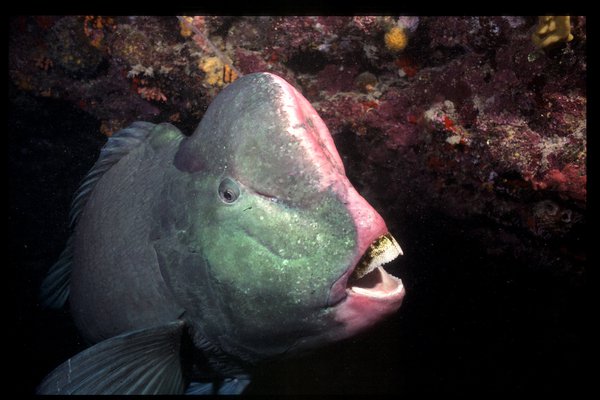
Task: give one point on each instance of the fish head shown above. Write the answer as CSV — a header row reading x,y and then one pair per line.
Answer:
x,y
291,253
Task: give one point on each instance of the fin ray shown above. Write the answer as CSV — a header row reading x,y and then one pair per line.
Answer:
x,y
54,291
234,385
143,361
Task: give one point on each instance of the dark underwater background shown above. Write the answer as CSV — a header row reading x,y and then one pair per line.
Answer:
x,y
497,285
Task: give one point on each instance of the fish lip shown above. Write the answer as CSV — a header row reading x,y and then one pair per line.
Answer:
x,y
396,294
337,295
370,295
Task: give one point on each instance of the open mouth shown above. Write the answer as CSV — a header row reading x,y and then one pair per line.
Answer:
x,y
369,278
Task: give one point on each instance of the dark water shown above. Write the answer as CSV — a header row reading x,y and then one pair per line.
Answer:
x,y
471,322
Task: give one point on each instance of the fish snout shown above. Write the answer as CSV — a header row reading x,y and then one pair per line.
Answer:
x,y
365,293
369,225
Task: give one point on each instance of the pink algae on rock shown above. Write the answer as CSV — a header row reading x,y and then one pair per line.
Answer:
x,y
471,116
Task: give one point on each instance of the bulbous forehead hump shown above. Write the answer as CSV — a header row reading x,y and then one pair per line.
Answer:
x,y
262,130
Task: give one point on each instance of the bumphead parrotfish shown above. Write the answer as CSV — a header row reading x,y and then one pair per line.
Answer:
x,y
193,258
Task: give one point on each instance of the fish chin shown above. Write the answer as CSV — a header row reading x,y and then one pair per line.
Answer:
x,y
370,293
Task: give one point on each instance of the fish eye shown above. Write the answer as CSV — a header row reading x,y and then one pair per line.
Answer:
x,y
229,191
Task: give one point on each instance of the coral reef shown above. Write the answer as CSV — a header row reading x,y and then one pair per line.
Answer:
x,y
479,120
471,106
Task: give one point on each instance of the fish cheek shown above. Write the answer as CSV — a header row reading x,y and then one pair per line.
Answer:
x,y
274,267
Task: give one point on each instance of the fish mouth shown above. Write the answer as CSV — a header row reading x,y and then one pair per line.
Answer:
x,y
369,279
367,293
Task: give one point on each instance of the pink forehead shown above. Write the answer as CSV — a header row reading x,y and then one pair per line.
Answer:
x,y
308,128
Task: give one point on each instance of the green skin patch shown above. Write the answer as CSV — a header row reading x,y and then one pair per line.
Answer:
x,y
271,266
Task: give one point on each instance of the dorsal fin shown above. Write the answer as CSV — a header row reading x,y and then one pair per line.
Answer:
x,y
55,288
119,145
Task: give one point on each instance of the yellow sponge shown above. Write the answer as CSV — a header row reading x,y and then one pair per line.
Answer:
x,y
552,29
213,68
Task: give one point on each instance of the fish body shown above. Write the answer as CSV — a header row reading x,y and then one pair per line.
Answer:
x,y
245,239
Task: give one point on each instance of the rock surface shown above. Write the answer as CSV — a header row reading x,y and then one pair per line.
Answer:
x,y
470,140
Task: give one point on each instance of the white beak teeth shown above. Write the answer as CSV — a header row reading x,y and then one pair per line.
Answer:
x,y
383,250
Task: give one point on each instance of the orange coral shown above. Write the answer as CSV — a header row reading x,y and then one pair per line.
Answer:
x,y
229,74
197,25
396,39
44,63
151,93
94,27
111,126
185,29
147,92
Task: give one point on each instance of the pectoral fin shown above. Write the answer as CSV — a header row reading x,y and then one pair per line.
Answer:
x,y
226,386
146,361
